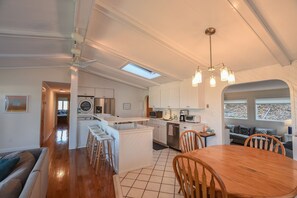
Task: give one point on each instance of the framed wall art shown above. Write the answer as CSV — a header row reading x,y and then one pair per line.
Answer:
x,y
16,103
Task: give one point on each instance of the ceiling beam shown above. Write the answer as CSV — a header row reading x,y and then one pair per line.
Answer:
x,y
128,21
104,48
253,18
103,65
34,35
112,78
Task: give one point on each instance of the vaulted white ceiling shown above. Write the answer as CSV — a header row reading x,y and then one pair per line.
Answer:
x,y
165,36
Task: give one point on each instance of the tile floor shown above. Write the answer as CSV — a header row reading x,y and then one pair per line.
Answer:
x,y
157,181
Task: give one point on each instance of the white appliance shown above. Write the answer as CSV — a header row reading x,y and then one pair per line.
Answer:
x,y
85,105
193,118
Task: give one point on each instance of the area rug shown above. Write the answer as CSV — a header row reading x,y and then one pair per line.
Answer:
x,y
157,146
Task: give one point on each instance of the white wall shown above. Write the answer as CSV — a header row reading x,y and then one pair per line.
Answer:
x,y
122,93
49,112
214,96
22,130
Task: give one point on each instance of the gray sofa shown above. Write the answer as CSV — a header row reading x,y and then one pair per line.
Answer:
x,y
238,135
29,178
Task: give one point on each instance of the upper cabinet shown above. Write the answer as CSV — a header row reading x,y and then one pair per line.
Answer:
x,y
170,94
104,93
154,97
86,91
191,97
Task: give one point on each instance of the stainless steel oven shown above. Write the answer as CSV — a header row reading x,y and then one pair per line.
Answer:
x,y
173,135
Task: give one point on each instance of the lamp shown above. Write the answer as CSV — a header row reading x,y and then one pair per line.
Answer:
x,y
226,74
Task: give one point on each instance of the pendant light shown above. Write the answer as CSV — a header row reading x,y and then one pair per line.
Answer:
x,y
231,77
225,73
197,78
212,81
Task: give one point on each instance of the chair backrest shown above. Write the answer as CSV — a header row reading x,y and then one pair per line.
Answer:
x,y
265,142
190,140
197,179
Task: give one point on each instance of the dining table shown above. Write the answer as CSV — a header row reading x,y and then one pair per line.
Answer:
x,y
251,172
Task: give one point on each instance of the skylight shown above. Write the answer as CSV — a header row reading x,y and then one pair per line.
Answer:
x,y
140,71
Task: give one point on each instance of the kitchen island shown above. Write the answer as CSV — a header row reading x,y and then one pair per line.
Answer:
x,y
133,142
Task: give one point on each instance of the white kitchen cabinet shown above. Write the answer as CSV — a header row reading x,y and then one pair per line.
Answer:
x,y
191,97
154,96
163,132
104,93
160,130
86,91
170,94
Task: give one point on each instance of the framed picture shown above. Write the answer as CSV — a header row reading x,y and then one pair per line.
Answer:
x,y
15,103
127,106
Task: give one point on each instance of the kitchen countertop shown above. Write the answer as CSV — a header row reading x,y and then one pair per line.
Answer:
x,y
177,121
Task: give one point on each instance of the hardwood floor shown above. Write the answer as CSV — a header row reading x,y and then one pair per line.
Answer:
x,y
70,174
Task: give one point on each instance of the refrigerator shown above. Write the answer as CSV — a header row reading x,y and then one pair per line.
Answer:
x,y
105,106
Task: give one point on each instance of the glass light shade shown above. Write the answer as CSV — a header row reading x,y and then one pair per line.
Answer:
x,y
198,76
231,77
212,81
224,73
194,82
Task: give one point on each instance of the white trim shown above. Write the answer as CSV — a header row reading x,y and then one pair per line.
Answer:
x,y
250,14
121,72
33,34
111,51
128,21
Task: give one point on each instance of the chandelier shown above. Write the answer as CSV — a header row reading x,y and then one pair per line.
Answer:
x,y
226,73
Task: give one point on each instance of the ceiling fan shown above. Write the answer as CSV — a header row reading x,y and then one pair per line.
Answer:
x,y
82,62
77,59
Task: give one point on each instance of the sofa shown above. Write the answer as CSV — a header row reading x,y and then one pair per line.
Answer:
x,y
29,177
239,133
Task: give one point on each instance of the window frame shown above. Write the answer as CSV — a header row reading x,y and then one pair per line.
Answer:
x,y
237,101
282,100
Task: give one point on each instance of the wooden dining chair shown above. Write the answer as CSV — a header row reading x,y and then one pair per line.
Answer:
x,y
265,142
190,140
197,179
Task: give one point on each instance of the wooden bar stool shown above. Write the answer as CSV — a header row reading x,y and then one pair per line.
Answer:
x,y
94,131
103,151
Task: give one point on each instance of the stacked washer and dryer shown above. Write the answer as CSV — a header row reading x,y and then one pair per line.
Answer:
x,y
85,107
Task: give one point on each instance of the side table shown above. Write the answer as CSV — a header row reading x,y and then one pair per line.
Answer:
x,y
206,135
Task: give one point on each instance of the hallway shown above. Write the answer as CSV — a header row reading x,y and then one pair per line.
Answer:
x,y
70,174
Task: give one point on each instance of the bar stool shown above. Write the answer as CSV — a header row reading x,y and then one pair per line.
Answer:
x,y
91,142
104,150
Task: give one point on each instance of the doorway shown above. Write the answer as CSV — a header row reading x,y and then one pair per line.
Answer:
x,y
54,108
258,107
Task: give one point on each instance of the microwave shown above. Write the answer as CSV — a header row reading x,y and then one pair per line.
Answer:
x,y
156,114
193,118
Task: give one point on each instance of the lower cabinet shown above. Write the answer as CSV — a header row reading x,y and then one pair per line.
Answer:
x,y
160,130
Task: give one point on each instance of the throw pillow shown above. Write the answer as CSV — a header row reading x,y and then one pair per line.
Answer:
x,y
236,129
11,188
244,130
6,166
261,131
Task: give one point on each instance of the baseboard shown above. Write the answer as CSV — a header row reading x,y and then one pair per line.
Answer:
x,y
4,150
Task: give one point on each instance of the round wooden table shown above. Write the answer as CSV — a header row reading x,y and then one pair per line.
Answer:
x,y
250,172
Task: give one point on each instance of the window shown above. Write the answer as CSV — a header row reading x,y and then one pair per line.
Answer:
x,y
62,105
140,71
235,109
273,109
